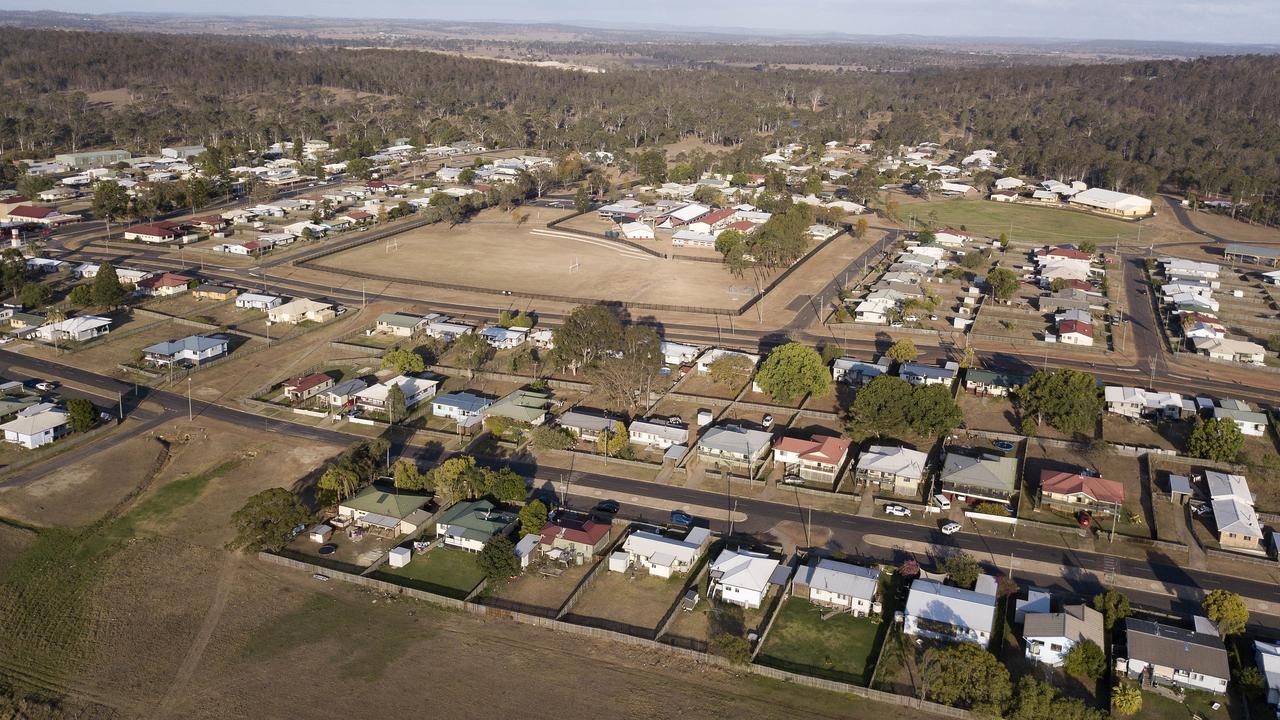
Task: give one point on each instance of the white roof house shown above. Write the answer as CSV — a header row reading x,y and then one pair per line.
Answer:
x,y
949,613
300,310
500,337
1233,511
715,354
37,429
79,328
658,433
257,301
660,555
1231,349
1181,267
743,578
832,583
1267,656
1137,402
890,461
415,390
674,353
1115,203
637,231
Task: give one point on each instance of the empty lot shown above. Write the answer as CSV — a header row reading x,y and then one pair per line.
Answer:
x,y
494,253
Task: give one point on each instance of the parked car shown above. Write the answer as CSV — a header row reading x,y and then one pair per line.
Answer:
x,y
767,421
897,324
682,518
792,480
910,318
608,506
951,528
941,501
897,510
1085,519
46,385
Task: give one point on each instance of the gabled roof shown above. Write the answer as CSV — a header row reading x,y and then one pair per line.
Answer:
x,y
190,343
1180,649
1077,623
398,504
1065,483
475,520
819,448
306,382
37,423
164,280
735,439
841,578
586,533
1001,378
464,401
898,461
989,471
32,211
1067,327
967,609
747,570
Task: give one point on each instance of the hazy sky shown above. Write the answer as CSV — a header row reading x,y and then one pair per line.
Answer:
x,y
1227,21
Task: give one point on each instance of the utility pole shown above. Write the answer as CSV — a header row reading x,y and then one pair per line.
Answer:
x,y
190,416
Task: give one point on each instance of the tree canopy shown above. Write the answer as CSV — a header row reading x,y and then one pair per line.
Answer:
x,y
266,520
1068,400
968,676
1217,439
793,370
1227,610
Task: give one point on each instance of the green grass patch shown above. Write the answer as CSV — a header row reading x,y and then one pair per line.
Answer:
x,y
1022,222
840,648
1159,707
453,573
45,615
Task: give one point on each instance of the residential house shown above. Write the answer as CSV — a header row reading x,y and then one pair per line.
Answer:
x,y
658,433
985,477
80,328
163,284
1075,332
255,301
525,406
414,389
190,350
918,374
709,357
1137,403
1111,202
1158,653
1075,491
37,429
820,458
587,425
343,395
387,513
1232,503
1267,657
660,555
159,232
580,540
991,382
1230,349
897,468
951,614
1049,636
1250,421
734,446
1182,268
834,584
677,354
744,578
463,407
446,330
470,525
859,372
301,310
207,291
305,387
400,324
501,338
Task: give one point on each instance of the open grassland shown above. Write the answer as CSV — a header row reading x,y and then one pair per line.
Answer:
x,y
1025,223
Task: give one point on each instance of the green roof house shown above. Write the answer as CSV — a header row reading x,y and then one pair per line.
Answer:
x,y
386,512
471,524
523,405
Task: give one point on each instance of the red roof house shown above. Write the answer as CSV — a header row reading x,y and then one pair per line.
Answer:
x,y
817,458
581,539
1082,490
305,386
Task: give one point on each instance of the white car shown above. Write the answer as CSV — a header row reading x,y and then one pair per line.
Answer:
x,y
897,510
910,318
46,386
951,528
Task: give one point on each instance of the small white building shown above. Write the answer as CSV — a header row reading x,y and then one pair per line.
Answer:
x,y
38,429
301,310
415,390
1049,636
834,584
77,329
744,578
951,614
255,301
501,338
661,556
658,433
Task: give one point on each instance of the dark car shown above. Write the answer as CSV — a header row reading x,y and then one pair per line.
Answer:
x,y
609,506
682,518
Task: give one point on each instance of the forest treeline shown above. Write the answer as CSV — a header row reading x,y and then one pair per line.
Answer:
x,y
1207,124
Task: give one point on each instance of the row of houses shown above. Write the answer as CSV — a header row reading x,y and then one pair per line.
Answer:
x,y
1187,295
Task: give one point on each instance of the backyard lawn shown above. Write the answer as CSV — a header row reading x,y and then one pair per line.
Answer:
x,y
1196,704
448,572
841,648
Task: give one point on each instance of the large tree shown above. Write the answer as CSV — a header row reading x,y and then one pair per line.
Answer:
x,y
1227,610
107,290
587,334
498,559
472,351
267,519
933,411
731,370
1003,283
627,375
880,407
793,370
1113,605
1086,659
1217,439
968,676
903,351
533,517
961,570
403,361
1068,400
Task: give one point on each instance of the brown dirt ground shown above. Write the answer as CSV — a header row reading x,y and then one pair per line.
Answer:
x,y
534,588
492,252
633,598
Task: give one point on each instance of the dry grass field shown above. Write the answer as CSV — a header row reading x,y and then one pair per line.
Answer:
x,y
493,253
